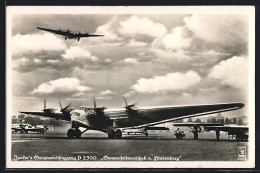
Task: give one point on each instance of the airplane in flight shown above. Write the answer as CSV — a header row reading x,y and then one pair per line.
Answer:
x,y
69,34
115,121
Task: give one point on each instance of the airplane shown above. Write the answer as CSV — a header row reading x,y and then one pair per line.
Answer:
x,y
69,34
114,121
25,128
192,125
240,132
196,125
145,130
63,113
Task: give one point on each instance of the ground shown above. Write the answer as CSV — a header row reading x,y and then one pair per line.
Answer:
x,y
98,146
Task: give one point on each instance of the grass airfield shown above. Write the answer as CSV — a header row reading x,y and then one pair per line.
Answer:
x,y
99,147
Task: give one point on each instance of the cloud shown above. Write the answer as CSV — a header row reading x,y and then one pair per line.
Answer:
x,y
225,30
130,61
109,30
52,61
37,61
141,26
176,39
169,82
75,52
20,62
232,72
107,93
36,43
61,86
134,43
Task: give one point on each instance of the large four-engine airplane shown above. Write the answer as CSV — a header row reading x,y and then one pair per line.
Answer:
x,y
114,121
69,34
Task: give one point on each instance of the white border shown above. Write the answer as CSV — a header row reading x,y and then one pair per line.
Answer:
x,y
248,10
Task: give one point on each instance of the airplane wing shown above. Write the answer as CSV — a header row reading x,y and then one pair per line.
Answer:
x,y
227,128
189,124
87,35
59,32
56,115
40,113
168,114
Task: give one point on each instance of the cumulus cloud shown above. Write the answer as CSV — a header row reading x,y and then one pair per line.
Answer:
x,y
134,43
52,61
130,61
107,93
20,62
61,86
227,30
109,30
141,26
176,40
75,52
37,61
169,82
36,43
232,72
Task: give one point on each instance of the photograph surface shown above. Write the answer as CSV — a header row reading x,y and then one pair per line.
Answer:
x,y
130,87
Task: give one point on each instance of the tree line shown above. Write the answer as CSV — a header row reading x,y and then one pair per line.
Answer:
x,y
34,120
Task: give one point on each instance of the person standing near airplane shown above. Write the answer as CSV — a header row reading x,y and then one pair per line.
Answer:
x,y
178,133
217,133
196,133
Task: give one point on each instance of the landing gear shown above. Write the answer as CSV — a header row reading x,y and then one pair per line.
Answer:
x,y
111,133
77,133
70,133
114,134
118,133
146,134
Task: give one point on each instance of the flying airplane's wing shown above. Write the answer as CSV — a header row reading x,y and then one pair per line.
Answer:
x,y
87,35
161,115
59,32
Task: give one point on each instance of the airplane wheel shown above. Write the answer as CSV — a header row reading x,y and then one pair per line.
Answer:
x,y
118,133
111,134
77,133
70,133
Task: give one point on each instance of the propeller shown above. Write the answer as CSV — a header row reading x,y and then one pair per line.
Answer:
x,y
63,109
131,107
98,110
44,104
49,111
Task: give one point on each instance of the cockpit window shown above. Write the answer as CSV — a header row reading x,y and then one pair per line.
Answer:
x,y
76,114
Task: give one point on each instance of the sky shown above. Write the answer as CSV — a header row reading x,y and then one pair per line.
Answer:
x,y
151,59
